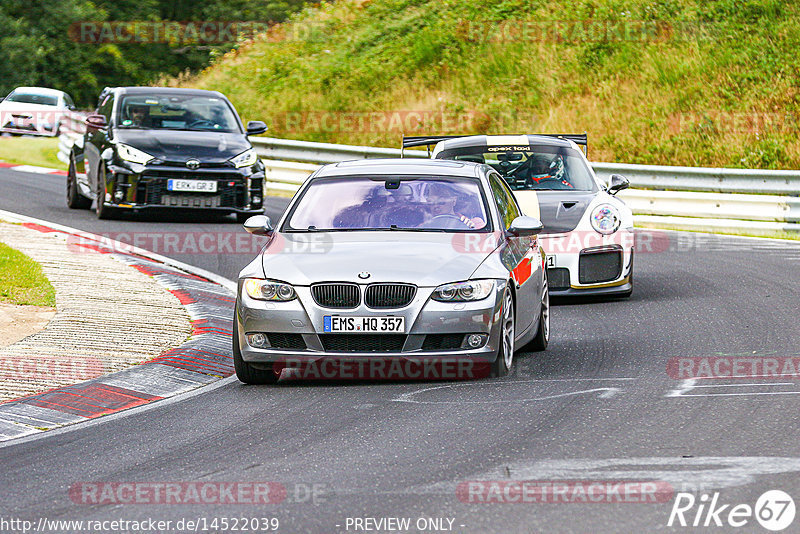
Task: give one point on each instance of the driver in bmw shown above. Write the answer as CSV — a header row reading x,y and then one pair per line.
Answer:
x,y
442,200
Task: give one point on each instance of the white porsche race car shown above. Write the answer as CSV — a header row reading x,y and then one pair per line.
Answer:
x,y
588,236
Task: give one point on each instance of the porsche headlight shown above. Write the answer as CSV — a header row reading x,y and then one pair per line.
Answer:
x,y
134,155
605,219
245,159
463,291
268,290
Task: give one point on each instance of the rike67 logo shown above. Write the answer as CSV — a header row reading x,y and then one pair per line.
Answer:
x,y
774,510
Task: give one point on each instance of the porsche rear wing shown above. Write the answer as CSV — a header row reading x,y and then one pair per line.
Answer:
x,y
430,140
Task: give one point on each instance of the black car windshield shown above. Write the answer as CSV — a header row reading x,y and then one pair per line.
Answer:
x,y
33,98
380,203
176,112
539,168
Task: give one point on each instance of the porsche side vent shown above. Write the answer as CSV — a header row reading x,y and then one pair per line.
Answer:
x,y
383,296
339,296
558,278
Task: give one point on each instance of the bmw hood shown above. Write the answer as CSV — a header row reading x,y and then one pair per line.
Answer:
x,y
421,258
559,211
7,106
179,146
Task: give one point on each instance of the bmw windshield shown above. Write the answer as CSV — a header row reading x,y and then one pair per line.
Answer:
x,y
380,203
177,112
32,98
539,168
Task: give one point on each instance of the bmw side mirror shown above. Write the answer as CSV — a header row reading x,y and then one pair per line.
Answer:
x,y
525,226
617,183
259,225
96,122
256,127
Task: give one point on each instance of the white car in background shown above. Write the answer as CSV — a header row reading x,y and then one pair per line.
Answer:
x,y
588,232
34,111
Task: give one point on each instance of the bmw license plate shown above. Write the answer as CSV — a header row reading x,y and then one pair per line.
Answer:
x,y
368,325
192,186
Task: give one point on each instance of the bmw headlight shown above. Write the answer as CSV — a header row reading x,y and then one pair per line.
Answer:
x,y
245,159
134,155
605,219
463,291
268,290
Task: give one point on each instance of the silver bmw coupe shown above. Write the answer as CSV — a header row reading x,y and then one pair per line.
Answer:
x,y
393,260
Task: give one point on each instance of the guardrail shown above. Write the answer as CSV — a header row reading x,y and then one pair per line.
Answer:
x,y
72,128
697,198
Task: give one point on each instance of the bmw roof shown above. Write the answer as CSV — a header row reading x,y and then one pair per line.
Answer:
x,y
402,166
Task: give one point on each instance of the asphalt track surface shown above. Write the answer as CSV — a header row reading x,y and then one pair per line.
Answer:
x,y
598,405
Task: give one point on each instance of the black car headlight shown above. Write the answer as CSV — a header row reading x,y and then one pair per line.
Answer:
x,y
463,291
248,158
134,155
268,290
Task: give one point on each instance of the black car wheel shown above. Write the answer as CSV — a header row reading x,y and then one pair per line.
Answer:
x,y
505,352
244,371
75,200
103,211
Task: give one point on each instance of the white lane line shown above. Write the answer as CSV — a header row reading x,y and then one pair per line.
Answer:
x,y
745,385
685,385
605,392
742,394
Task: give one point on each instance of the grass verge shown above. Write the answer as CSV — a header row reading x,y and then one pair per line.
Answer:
x,y
673,82
39,151
22,281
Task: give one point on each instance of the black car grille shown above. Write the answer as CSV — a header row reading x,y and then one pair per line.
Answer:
x,y
336,295
152,189
558,278
442,341
286,341
598,267
363,342
389,295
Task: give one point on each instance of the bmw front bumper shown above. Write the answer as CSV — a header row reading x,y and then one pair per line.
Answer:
x,y
433,329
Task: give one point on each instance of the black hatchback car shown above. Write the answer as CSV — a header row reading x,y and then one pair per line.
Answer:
x,y
151,147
